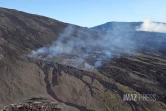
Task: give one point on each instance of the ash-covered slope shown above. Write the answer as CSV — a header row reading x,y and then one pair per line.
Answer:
x,y
24,75
19,34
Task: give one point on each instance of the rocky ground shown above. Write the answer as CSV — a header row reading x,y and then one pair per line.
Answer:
x,y
34,104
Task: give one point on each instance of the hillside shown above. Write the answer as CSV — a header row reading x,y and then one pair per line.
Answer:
x,y
147,25
118,26
71,66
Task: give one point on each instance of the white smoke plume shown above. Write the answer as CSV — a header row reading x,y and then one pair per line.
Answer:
x,y
78,45
152,27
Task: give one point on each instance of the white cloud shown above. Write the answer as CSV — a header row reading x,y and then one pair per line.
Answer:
x,y
152,27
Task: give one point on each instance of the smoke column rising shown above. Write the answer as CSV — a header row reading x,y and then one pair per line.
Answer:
x,y
152,27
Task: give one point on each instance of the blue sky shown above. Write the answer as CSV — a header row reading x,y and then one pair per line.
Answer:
x,y
90,13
